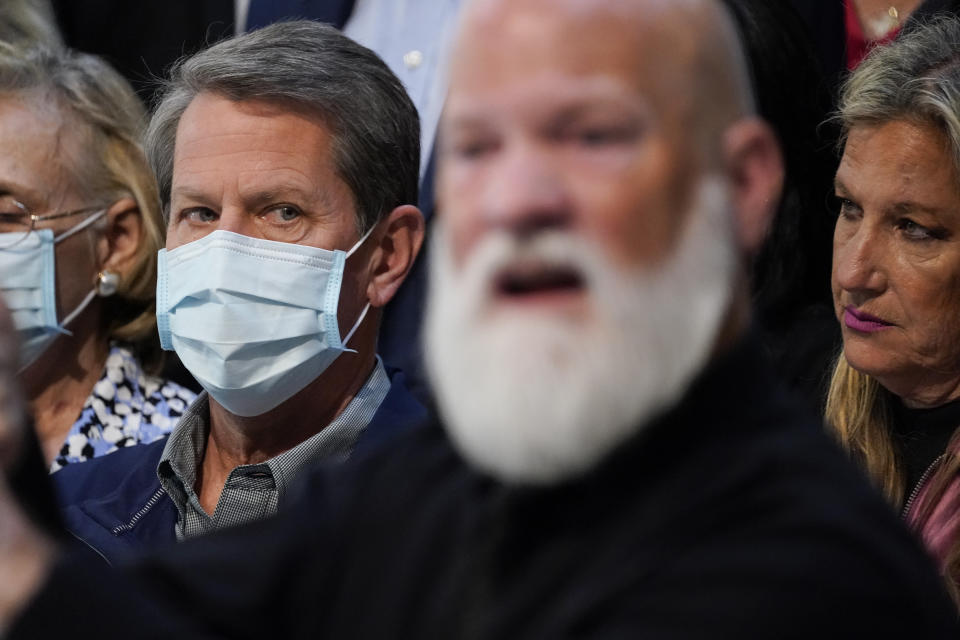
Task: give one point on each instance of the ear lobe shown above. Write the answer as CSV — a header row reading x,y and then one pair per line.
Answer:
x,y
120,243
395,253
755,166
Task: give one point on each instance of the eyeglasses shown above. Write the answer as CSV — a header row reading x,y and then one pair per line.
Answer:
x,y
16,226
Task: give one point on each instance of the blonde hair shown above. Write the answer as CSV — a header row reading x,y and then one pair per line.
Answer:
x,y
106,160
858,409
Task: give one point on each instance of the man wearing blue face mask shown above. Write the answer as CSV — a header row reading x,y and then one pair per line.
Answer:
x,y
287,160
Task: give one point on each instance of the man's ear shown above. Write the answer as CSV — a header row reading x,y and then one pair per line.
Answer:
x,y
755,166
117,248
395,253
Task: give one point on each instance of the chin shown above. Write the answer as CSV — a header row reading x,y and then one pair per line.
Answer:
x,y
539,393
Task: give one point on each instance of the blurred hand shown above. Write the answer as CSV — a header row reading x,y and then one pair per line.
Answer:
x,y
26,554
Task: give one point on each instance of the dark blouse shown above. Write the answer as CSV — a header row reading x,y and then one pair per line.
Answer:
x,y
922,435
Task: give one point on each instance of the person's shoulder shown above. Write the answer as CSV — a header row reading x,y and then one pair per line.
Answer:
x,y
107,474
791,528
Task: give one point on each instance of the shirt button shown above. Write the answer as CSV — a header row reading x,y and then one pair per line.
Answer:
x,y
413,59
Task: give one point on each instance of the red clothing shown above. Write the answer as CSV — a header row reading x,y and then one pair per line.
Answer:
x,y
858,46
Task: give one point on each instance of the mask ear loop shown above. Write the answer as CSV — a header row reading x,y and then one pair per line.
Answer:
x,y
366,308
356,326
73,314
354,248
80,227
90,296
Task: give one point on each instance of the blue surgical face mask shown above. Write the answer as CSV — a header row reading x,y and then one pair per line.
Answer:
x,y
254,321
28,286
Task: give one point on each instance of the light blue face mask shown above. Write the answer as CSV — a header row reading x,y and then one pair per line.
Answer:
x,y
254,321
28,286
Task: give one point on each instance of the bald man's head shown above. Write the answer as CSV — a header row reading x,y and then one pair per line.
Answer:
x,y
685,52
596,169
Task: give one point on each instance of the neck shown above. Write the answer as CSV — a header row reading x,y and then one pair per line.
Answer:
x,y
60,381
236,440
932,395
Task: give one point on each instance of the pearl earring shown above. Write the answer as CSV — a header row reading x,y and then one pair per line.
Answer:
x,y
107,283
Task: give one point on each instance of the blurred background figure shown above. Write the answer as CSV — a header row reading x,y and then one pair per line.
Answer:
x,y
80,228
846,30
791,272
143,39
895,396
28,21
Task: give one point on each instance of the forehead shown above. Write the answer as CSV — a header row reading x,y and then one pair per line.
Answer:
x,y
215,123
901,154
37,140
566,49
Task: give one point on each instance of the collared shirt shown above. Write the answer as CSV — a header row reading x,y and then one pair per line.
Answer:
x,y
253,491
413,37
126,407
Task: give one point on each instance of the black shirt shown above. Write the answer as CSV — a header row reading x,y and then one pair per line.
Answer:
x,y
921,436
732,516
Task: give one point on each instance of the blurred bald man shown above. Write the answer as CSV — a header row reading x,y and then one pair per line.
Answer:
x,y
614,460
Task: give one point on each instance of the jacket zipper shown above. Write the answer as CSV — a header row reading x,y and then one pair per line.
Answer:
x,y
139,514
919,486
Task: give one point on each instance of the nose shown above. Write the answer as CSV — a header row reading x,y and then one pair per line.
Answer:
x,y
528,193
858,260
236,220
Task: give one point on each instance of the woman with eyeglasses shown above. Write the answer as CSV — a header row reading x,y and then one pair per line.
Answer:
x,y
80,228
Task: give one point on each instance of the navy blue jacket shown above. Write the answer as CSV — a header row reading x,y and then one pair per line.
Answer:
x,y
115,504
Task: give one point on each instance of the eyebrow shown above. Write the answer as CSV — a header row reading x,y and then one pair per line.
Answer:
x,y
899,208
903,208
255,199
575,107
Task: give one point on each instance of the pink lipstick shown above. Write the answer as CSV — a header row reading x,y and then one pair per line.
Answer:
x,y
863,322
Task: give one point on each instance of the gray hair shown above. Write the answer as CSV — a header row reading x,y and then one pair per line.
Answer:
x,y
916,77
312,66
28,21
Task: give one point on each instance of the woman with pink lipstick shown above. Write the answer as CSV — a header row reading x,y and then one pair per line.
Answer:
x,y
894,400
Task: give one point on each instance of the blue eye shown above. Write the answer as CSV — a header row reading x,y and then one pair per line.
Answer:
x,y
198,214
288,213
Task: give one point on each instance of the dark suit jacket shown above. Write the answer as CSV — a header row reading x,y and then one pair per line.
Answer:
x,y
400,340
264,12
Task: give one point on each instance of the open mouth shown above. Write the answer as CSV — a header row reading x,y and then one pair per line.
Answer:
x,y
528,281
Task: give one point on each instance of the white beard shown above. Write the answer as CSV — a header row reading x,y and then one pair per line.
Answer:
x,y
535,398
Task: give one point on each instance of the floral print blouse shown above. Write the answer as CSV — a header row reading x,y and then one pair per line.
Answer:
x,y
126,407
